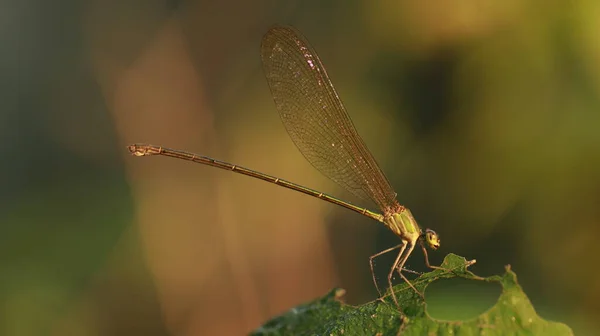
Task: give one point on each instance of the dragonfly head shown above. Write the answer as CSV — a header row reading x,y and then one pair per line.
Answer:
x,y
432,239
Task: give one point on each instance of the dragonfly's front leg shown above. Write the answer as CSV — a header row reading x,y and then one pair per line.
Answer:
x,y
427,258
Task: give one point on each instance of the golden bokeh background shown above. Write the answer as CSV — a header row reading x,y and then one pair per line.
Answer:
x,y
484,116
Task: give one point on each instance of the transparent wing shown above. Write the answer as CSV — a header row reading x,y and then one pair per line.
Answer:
x,y
316,119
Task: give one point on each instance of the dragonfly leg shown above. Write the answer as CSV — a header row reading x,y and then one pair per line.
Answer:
x,y
404,269
372,267
392,272
399,267
427,259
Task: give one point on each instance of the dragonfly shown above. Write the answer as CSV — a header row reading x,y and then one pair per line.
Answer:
x,y
318,124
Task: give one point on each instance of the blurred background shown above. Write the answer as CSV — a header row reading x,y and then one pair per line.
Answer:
x,y
484,116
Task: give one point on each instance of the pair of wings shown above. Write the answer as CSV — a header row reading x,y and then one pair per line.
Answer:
x,y
316,119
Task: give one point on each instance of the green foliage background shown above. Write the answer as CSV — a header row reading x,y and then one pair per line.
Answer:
x,y
484,116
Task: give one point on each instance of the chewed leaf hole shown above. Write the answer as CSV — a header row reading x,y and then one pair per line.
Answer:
x,y
460,299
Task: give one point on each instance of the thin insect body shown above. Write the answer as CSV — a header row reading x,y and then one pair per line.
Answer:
x,y
321,129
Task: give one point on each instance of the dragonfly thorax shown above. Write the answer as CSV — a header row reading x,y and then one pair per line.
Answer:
x,y
403,224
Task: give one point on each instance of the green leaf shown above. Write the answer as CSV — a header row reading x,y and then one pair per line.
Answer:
x,y
512,314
